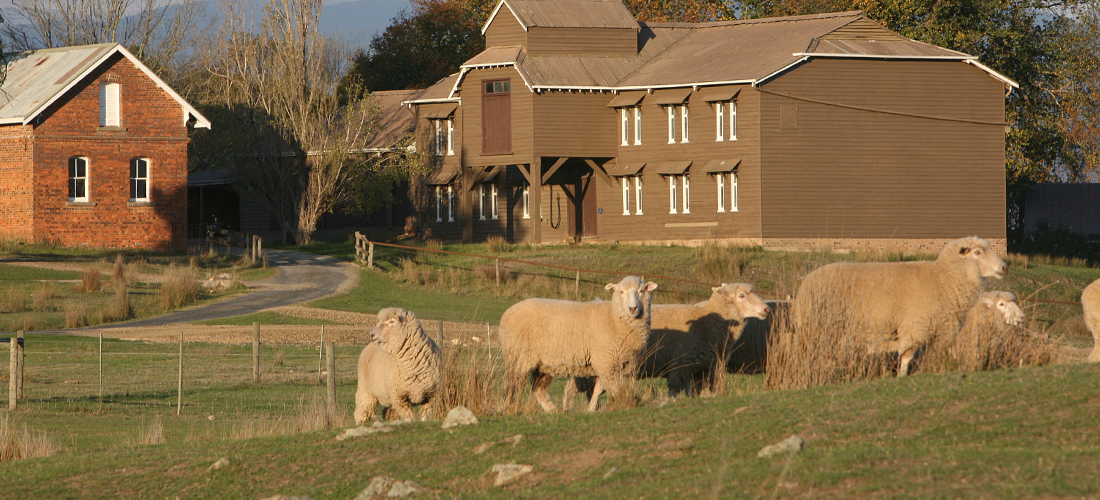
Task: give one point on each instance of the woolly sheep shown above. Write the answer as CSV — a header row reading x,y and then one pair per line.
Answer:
x,y
750,353
989,320
1001,305
687,340
900,306
545,338
401,367
1090,304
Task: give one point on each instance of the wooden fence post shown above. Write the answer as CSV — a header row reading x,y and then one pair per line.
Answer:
x,y
330,357
577,286
358,247
179,384
439,328
370,254
13,370
260,249
321,354
496,263
100,368
22,358
255,352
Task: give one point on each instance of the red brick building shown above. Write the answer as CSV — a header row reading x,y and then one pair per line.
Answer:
x,y
93,150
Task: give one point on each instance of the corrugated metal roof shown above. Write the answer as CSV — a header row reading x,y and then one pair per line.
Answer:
x,y
626,99
590,71
37,78
396,120
496,56
439,91
720,166
672,167
893,48
571,13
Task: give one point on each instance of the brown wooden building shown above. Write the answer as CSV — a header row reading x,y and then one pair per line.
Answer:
x,y
812,131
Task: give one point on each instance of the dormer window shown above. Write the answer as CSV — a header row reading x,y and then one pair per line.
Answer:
x,y
109,105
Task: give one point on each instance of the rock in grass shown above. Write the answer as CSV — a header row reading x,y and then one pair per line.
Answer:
x,y
388,487
222,462
363,431
459,415
507,473
284,497
792,444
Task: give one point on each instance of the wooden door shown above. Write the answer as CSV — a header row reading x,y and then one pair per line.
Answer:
x,y
496,118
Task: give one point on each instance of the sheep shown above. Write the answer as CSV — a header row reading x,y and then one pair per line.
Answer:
x,y
900,306
687,340
1090,304
1001,305
750,352
401,367
545,338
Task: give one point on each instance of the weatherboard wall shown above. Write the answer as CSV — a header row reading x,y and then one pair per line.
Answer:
x,y
836,172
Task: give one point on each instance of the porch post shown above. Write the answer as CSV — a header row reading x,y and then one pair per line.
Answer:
x,y
536,200
467,204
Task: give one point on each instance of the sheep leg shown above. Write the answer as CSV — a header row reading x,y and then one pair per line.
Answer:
x,y
594,403
366,405
569,394
404,409
675,381
906,358
539,383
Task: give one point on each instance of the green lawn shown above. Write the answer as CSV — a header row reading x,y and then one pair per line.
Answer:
x,y
1007,434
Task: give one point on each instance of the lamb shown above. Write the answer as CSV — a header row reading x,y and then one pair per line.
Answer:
x,y
1090,304
401,367
545,338
988,323
1001,306
750,351
900,306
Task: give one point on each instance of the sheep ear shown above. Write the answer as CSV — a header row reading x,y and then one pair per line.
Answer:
x,y
715,289
610,286
987,300
651,286
964,250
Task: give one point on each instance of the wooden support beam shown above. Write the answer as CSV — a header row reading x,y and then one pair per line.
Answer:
x,y
535,235
526,173
467,202
554,168
600,172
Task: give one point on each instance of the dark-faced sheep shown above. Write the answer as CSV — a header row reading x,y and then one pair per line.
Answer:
x,y
899,306
1090,304
401,367
544,338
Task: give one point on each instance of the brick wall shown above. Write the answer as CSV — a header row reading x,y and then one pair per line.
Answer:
x,y
15,183
151,127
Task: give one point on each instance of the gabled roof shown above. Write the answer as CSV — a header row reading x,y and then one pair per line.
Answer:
x,y
396,120
439,92
566,14
38,78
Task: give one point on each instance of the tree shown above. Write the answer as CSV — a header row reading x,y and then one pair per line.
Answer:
x,y
421,47
156,31
686,11
296,142
1037,43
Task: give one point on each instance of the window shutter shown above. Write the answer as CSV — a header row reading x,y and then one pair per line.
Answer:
x,y
109,105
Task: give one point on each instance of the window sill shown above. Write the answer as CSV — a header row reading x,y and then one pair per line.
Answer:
x,y
80,203
140,204
111,129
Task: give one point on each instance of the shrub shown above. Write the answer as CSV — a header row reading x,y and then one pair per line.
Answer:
x,y
179,287
497,244
120,308
43,297
90,281
15,300
76,314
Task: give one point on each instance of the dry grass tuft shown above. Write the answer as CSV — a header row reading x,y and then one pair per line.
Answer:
x,y
309,416
14,300
20,444
43,297
412,272
152,434
497,244
76,314
120,308
718,262
179,287
988,344
90,280
472,378
119,276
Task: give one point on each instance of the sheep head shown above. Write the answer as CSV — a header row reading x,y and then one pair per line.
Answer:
x,y
393,327
631,297
1004,303
976,250
738,299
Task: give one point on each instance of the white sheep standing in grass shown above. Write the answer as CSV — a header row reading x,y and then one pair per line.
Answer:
x,y
1090,304
400,368
900,306
546,338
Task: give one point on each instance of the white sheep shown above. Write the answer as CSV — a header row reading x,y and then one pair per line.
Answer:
x,y
750,353
686,341
545,338
1090,304
401,367
1000,305
900,306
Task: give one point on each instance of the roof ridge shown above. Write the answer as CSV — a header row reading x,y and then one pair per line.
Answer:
x,y
761,20
59,49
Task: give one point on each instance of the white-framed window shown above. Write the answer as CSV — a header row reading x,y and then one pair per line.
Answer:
x,y
526,201
720,179
109,105
626,194
481,201
671,124
625,130
450,137
684,123
438,137
78,179
733,191
637,125
672,194
733,120
439,203
450,204
637,195
139,179
494,194
685,188
720,122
